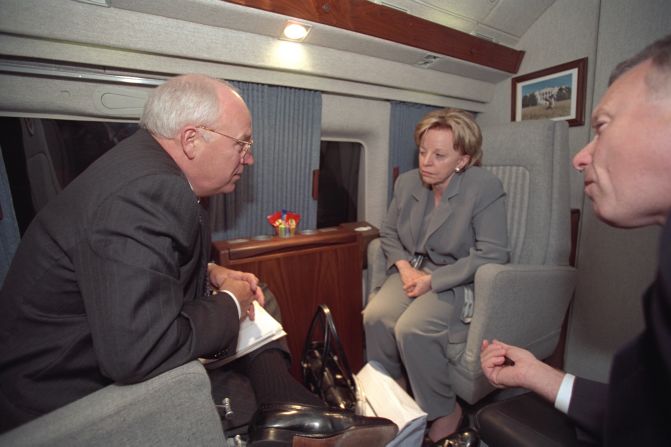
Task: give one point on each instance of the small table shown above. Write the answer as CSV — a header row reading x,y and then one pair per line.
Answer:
x,y
305,270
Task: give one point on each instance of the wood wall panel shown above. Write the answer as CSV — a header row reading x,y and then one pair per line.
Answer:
x,y
304,276
396,26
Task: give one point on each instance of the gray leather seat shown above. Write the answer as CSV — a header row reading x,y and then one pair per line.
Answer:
x,y
9,229
46,159
523,302
174,408
527,421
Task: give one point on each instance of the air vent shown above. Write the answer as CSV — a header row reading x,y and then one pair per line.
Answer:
x,y
483,36
105,3
427,61
391,5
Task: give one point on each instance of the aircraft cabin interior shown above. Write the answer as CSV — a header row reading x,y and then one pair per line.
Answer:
x,y
333,120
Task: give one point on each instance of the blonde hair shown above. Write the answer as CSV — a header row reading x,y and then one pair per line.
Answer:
x,y
466,135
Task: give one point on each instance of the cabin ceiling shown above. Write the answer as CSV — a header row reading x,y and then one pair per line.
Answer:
x,y
475,36
357,48
500,21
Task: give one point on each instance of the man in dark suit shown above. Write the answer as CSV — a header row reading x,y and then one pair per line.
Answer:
x,y
627,170
111,282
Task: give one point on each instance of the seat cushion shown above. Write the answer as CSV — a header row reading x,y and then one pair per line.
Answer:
x,y
174,408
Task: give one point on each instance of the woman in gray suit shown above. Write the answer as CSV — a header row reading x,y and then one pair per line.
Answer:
x,y
446,219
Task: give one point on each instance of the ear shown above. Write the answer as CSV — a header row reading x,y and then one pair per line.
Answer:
x,y
465,160
189,138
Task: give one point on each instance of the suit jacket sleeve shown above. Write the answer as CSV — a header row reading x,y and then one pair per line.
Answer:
x,y
588,405
139,261
391,244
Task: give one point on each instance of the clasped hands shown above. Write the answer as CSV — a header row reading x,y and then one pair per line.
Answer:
x,y
415,282
245,287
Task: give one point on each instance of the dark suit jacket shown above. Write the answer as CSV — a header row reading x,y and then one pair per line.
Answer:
x,y
635,408
469,230
108,285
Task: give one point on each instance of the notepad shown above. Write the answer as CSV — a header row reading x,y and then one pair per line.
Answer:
x,y
253,335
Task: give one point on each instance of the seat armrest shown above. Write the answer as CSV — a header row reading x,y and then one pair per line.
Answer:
x,y
174,408
527,421
523,305
519,304
377,268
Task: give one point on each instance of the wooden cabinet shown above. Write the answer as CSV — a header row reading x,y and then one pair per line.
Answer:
x,y
304,271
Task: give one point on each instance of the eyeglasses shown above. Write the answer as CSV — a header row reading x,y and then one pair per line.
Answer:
x,y
246,145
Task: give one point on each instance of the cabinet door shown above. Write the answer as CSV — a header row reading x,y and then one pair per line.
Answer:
x,y
303,278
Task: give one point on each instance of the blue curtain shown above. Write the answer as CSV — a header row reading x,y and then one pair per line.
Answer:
x,y
402,148
9,229
287,130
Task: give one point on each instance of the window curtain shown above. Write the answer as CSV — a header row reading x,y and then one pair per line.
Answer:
x,y
402,148
287,130
9,229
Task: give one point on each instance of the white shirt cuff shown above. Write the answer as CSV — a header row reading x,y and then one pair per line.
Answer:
x,y
235,300
563,399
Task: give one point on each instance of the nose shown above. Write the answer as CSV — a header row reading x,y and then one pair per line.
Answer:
x,y
584,157
248,159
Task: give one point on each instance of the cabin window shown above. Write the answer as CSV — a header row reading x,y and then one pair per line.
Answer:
x,y
339,163
43,155
67,147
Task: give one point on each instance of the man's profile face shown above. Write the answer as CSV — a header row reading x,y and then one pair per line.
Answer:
x,y
627,165
221,162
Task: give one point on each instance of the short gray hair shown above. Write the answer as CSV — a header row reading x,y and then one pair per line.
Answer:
x,y
659,53
183,100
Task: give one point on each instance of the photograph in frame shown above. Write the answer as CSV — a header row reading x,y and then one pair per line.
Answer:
x,y
556,93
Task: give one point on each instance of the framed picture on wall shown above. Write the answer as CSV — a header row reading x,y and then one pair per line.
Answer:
x,y
556,93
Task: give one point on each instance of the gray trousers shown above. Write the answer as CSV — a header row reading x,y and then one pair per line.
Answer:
x,y
412,332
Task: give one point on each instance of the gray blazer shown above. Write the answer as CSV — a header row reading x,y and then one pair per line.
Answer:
x,y
469,230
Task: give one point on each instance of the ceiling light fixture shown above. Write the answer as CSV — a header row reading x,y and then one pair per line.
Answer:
x,y
295,31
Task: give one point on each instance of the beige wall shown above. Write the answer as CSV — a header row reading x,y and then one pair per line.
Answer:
x,y
565,32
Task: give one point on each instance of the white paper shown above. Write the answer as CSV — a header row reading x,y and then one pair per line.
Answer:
x,y
253,335
383,397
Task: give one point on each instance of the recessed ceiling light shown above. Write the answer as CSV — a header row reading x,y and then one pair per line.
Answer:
x,y
295,31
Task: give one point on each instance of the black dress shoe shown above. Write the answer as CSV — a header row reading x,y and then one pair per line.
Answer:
x,y
276,425
464,438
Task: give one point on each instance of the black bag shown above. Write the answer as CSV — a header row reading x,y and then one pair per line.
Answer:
x,y
324,364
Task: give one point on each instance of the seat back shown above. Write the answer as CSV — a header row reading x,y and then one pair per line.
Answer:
x,y
9,229
531,159
46,159
523,302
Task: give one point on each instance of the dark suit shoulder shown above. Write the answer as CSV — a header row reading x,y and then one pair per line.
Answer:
x,y
135,173
137,160
138,154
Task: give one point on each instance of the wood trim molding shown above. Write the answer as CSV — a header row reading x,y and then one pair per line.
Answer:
x,y
396,26
315,184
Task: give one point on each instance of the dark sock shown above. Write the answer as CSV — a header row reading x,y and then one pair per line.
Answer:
x,y
272,382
